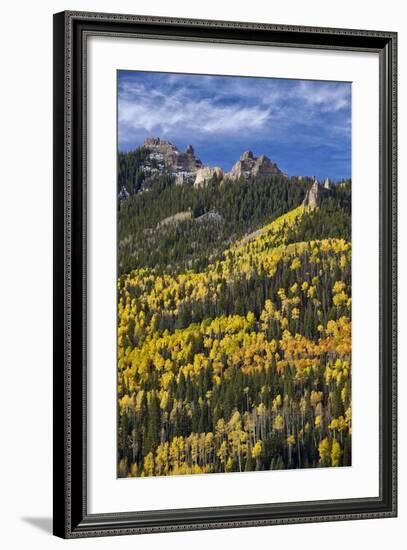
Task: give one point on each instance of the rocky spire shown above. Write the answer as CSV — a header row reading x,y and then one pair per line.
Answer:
x,y
313,195
246,155
250,166
183,164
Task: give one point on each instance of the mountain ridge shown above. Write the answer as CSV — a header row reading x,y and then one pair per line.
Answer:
x,y
161,157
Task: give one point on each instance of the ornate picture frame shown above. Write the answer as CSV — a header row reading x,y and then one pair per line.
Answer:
x,y
71,512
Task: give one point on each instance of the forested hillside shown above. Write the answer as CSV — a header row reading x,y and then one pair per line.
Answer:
x,y
234,325
236,208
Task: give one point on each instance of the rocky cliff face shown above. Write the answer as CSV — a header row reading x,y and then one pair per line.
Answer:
x,y
163,156
206,173
250,166
313,196
158,146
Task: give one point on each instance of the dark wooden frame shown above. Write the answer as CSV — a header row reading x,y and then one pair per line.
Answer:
x,y
71,518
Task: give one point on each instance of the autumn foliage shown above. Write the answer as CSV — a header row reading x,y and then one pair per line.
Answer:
x,y
244,365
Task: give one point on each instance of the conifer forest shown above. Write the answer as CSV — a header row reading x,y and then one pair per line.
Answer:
x,y
234,316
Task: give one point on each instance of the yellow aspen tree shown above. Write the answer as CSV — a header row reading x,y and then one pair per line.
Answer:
x,y
336,453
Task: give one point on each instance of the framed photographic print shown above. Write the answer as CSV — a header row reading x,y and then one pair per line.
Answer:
x,y
224,274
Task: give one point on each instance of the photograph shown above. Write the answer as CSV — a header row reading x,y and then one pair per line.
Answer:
x,y
203,314
234,274
225,273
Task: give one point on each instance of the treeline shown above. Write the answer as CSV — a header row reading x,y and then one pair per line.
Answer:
x,y
240,207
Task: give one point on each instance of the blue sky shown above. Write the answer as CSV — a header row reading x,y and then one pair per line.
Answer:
x,y
304,126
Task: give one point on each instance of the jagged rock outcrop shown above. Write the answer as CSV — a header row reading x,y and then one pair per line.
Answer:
x,y
162,158
327,184
250,166
169,158
313,196
206,173
187,161
159,146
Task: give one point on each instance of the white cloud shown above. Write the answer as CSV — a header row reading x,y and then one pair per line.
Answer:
x,y
210,105
328,97
157,111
